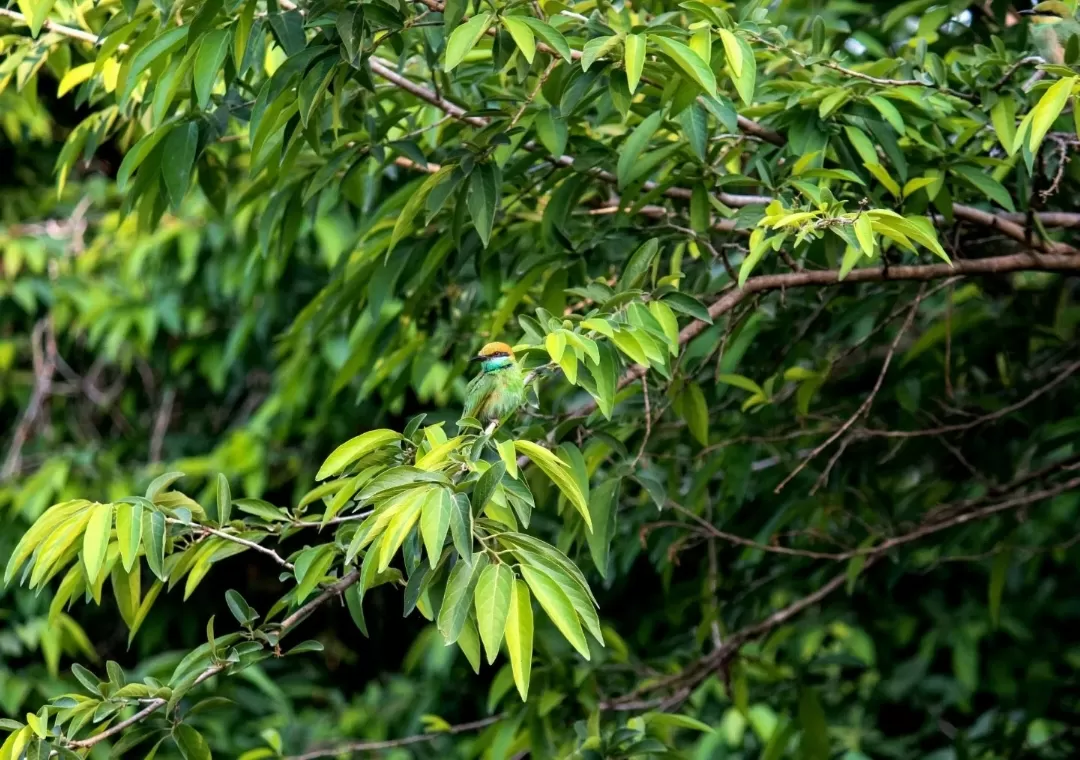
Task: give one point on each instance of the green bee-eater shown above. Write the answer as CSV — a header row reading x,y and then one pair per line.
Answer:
x,y
499,389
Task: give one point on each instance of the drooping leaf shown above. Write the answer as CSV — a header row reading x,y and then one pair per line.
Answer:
x,y
492,600
519,636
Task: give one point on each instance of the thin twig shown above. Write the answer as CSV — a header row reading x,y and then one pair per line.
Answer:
x,y
372,746
206,529
161,424
1067,372
44,369
864,407
285,627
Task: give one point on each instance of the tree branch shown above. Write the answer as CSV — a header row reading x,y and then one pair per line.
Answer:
x,y
286,626
372,746
864,407
1016,262
207,530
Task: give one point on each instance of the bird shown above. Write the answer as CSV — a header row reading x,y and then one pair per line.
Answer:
x,y
498,390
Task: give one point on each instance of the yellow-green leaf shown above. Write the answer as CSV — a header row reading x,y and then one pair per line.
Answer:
x,y
353,449
519,636
509,457
522,35
558,607
400,525
883,177
96,539
74,78
464,38
864,232
559,473
635,59
732,51
1048,109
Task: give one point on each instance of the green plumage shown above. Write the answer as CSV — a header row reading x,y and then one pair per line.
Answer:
x,y
496,392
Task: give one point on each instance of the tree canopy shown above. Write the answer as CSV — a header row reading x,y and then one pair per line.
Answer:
x,y
794,287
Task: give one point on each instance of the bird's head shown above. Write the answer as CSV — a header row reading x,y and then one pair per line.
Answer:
x,y
494,356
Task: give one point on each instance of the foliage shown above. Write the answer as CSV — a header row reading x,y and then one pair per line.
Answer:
x,y
778,489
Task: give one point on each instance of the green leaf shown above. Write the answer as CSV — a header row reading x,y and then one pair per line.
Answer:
x,y
492,597
987,185
404,222
595,48
639,265
557,605
161,483
559,473
603,507
549,34
522,34
191,743
863,145
461,526
815,738
154,533
1003,118
758,246
458,597
435,522
179,148
129,526
672,720
96,540
353,449
239,608
634,59
688,305
483,198
464,38
688,61
469,643
224,499
631,149
164,44
354,600
1046,111
138,153
694,409
486,485
888,112
519,636
551,130
208,61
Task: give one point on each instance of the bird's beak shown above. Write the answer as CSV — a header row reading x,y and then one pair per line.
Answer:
x,y
475,359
